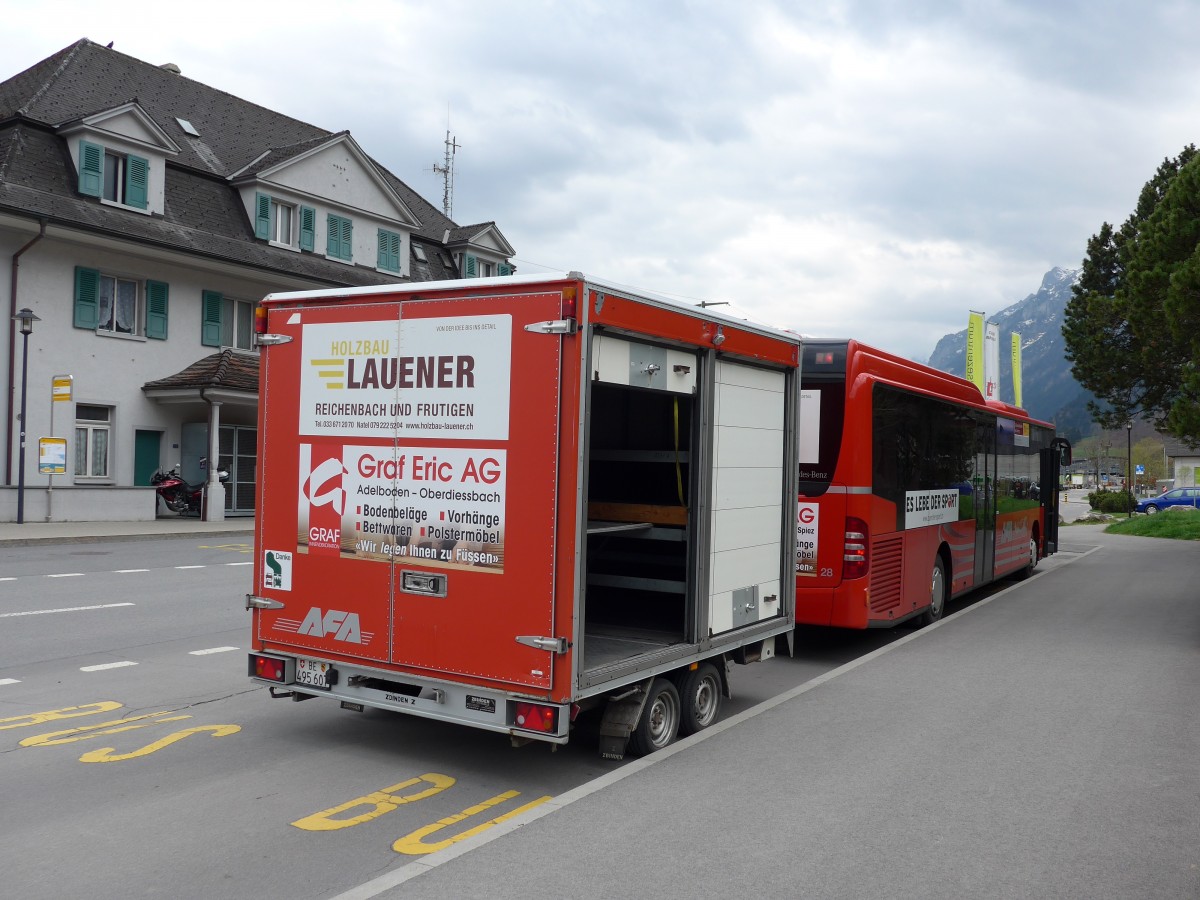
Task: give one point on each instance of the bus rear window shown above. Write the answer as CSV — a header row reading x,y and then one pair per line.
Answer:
x,y
822,414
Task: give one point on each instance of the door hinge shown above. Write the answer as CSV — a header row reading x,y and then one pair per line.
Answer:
x,y
553,326
554,645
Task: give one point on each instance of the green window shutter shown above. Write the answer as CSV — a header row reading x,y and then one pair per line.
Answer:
x,y
91,168
308,228
332,235
505,269
262,217
87,297
210,328
389,251
156,309
347,240
137,182
470,267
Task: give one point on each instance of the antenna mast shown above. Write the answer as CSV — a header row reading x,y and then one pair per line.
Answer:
x,y
446,170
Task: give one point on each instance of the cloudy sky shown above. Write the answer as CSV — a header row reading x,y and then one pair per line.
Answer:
x,y
870,169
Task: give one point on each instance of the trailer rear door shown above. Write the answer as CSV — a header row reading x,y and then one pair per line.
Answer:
x,y
408,485
478,572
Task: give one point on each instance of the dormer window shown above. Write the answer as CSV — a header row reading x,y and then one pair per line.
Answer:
x,y
120,178
276,221
281,222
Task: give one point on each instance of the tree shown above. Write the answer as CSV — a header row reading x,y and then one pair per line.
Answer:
x,y
1131,326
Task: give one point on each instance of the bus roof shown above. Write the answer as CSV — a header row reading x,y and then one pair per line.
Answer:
x,y
880,364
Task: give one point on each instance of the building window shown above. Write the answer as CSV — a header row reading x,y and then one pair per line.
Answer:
x,y
120,306
116,177
276,221
227,322
116,305
281,222
389,251
339,243
92,429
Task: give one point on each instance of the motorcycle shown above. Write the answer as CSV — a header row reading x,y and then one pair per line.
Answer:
x,y
176,494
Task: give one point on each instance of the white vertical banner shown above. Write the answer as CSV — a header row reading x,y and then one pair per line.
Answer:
x,y
991,361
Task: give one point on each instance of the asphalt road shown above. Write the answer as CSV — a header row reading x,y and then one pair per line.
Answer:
x,y
137,760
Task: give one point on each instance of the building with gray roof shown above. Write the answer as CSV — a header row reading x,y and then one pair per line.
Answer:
x,y
142,216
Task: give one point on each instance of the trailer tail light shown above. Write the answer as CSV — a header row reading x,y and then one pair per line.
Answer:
x,y
536,717
260,320
568,303
267,667
855,559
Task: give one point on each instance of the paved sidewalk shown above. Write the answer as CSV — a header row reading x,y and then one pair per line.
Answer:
x,y
1041,743
166,526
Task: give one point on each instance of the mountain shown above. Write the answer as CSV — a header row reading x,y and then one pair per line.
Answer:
x,y
1050,391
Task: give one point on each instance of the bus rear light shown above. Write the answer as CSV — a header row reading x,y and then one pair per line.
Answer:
x,y
268,668
855,558
536,717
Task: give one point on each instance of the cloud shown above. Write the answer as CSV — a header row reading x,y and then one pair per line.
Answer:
x,y
866,168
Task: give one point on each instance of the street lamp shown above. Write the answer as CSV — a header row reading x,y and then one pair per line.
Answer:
x,y
26,318
1128,469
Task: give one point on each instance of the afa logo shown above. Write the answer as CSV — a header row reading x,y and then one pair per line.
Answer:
x,y
341,626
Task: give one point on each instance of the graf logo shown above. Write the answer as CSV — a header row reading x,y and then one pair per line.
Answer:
x,y
342,626
323,487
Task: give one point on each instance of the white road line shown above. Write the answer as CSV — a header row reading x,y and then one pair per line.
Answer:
x,y
128,571
246,563
8,579
4,681
116,665
189,567
43,612
66,575
211,650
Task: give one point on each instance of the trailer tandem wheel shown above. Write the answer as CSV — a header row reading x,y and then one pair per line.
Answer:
x,y
659,722
700,693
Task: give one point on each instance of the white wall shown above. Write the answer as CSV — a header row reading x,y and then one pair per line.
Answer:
x,y
108,371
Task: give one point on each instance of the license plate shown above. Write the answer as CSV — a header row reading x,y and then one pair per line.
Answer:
x,y
313,673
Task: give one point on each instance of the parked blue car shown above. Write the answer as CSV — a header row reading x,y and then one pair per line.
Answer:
x,y
1188,496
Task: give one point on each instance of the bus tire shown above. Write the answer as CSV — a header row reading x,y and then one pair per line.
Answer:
x,y
700,696
1027,570
937,593
659,722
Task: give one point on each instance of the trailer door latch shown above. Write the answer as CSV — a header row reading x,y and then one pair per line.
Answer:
x,y
554,645
554,326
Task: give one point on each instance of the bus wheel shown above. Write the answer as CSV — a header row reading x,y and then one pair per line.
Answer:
x,y
659,723
700,695
937,593
1029,566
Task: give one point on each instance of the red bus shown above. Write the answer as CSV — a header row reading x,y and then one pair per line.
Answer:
x,y
913,489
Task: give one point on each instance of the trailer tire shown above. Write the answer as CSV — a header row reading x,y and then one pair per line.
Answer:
x,y
700,693
659,722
